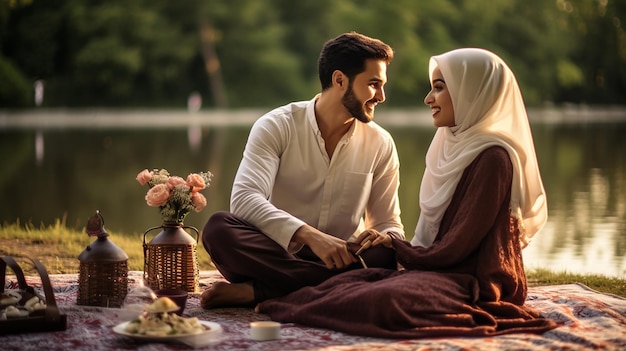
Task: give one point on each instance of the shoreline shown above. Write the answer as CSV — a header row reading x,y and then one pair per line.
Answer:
x,y
96,118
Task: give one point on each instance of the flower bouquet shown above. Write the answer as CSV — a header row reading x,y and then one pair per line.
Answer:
x,y
174,196
170,258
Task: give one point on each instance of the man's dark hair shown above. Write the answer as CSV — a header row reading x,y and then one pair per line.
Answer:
x,y
348,53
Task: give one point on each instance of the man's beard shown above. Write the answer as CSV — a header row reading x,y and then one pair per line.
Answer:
x,y
354,106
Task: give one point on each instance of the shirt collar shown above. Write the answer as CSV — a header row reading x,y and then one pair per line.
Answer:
x,y
310,116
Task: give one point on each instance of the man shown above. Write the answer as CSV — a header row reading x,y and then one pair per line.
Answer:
x,y
318,181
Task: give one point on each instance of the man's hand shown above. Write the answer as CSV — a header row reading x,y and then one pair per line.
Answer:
x,y
331,250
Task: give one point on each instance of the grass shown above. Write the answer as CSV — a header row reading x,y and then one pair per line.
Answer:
x,y
611,285
57,248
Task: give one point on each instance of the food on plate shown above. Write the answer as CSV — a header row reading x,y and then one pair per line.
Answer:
x,y
10,298
162,304
164,324
35,303
13,311
156,321
19,304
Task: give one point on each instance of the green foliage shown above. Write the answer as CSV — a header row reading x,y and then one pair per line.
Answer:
x,y
128,52
14,90
154,53
256,64
568,74
599,50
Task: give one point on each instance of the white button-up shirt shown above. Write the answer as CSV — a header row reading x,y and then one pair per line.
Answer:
x,y
287,179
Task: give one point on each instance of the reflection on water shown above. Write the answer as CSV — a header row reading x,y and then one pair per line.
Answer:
x,y
589,235
194,138
584,170
39,147
57,172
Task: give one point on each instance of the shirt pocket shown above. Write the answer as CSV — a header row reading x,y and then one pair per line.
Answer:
x,y
355,195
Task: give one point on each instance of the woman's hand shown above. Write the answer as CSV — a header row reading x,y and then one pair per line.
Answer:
x,y
372,237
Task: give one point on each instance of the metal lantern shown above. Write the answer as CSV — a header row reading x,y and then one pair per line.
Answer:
x,y
171,258
103,276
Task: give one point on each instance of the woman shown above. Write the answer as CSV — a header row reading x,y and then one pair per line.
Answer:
x,y
481,200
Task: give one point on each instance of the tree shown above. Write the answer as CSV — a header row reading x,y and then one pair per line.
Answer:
x,y
600,50
261,53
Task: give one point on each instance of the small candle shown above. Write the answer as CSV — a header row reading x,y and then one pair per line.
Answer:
x,y
264,330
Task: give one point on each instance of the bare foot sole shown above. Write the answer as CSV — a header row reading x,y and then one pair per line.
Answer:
x,y
224,294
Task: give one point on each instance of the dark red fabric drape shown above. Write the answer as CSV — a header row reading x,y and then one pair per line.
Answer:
x,y
470,282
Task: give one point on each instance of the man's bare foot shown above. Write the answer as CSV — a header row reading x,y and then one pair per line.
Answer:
x,y
224,294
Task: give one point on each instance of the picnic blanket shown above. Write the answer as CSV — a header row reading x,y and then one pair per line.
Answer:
x,y
587,319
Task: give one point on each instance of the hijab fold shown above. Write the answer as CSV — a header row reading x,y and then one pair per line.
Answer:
x,y
489,111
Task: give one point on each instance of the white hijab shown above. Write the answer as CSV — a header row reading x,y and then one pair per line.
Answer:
x,y
489,110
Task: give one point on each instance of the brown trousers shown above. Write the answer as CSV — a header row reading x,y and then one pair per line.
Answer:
x,y
242,253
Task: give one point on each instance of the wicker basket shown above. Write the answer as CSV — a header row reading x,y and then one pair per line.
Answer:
x,y
171,259
49,319
102,284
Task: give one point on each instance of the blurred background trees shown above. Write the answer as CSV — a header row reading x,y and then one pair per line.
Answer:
x,y
263,53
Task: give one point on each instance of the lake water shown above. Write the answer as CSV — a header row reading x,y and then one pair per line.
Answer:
x,y
66,164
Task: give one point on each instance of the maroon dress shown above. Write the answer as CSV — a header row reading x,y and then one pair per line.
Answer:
x,y
469,282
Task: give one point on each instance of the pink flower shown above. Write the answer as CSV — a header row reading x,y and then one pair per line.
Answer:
x,y
198,200
196,182
174,196
173,181
158,195
144,177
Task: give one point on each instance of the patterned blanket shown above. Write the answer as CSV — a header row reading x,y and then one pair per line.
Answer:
x,y
587,320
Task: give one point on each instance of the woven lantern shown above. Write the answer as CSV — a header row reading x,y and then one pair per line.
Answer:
x,y
103,276
171,258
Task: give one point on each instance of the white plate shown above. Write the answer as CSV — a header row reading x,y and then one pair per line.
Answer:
x,y
212,335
